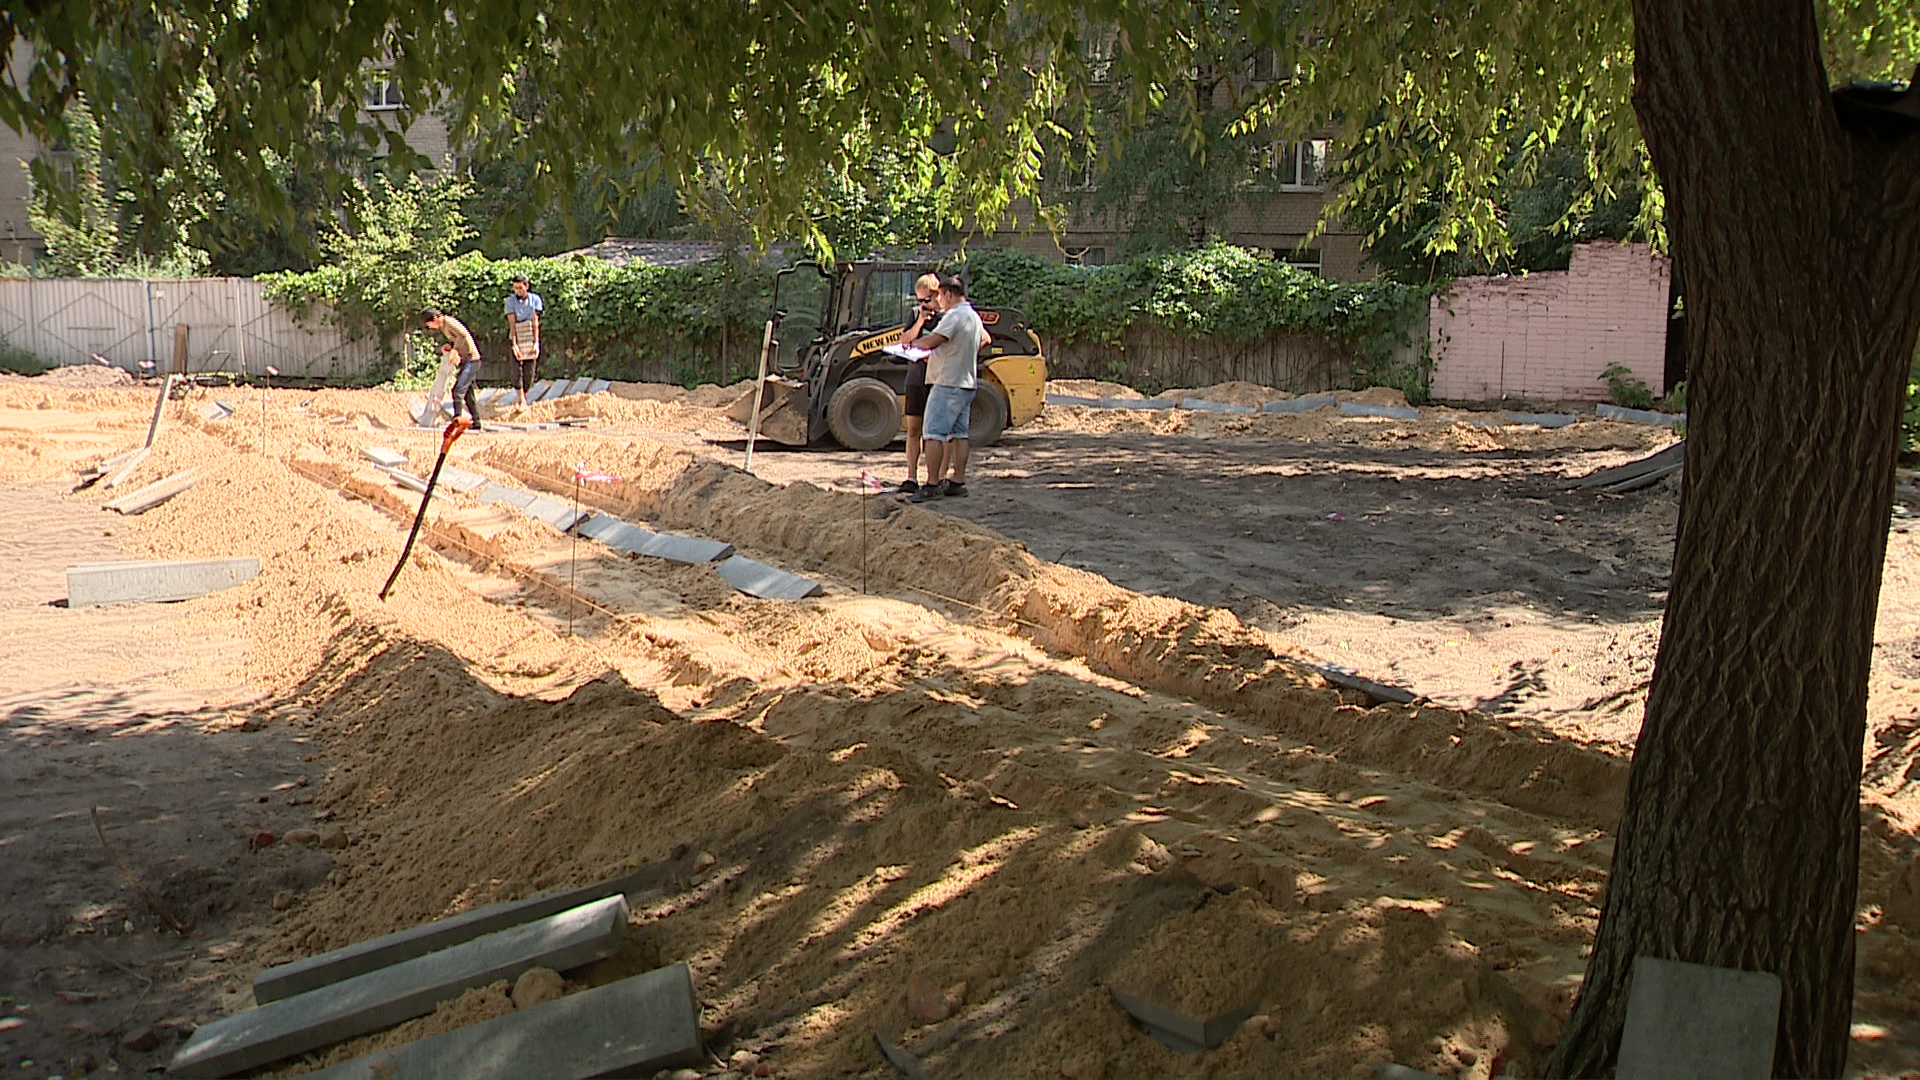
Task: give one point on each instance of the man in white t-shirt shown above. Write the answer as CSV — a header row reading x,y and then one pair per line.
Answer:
x,y
952,375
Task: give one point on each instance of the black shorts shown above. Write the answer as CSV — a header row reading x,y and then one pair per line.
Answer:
x,y
916,399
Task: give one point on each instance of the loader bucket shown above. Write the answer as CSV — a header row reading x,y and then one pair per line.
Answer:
x,y
783,411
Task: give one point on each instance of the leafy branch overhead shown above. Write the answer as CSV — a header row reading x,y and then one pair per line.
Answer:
x,y
778,102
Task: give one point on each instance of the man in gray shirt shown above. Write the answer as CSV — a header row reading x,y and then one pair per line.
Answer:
x,y
952,375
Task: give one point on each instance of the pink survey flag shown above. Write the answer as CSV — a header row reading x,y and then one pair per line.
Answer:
x,y
869,480
271,370
591,476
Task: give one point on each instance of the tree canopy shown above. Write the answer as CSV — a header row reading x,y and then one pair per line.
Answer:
x,y
778,103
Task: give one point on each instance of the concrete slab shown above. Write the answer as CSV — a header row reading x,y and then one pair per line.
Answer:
x,y
407,480
493,493
1663,461
408,989
460,479
903,1063
1545,420
154,581
615,533
766,582
1353,680
553,390
1397,412
1134,403
385,457
599,386
555,513
1203,405
1182,1033
685,549
1071,400
327,968
1393,1070
216,410
635,1027
1300,404
146,498
534,391
1691,1020
1637,416
125,468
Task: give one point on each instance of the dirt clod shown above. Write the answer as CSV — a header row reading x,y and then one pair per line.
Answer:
x,y
537,986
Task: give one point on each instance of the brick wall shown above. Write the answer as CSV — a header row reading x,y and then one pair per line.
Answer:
x,y
1547,336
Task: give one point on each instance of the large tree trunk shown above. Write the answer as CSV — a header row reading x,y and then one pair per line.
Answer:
x,y
1739,843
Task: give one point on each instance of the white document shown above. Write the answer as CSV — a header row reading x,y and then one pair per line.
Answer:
x,y
907,351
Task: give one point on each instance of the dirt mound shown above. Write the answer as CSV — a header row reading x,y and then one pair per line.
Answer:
x,y
1230,393
1091,388
84,376
808,880
1174,646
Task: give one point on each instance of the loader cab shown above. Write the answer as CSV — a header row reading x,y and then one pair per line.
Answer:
x,y
814,308
804,299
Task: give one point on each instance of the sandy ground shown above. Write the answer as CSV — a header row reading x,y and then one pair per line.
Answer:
x,y
145,716
1030,745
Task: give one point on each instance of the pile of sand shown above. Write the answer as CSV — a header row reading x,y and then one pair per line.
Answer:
x,y
84,376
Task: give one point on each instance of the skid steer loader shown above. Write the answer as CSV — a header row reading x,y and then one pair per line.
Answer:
x,y
828,377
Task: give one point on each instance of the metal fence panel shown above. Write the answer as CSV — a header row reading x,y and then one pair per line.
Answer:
x,y
231,327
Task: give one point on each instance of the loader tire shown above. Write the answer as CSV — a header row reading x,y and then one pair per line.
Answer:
x,y
989,416
864,414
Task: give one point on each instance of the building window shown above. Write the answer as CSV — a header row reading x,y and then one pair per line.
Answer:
x,y
1080,174
1300,166
1307,259
383,94
1092,256
1100,48
1263,64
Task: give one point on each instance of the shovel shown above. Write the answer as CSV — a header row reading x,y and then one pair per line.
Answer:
x,y
454,430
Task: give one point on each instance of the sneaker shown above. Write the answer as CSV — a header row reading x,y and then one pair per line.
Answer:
x,y
907,487
928,493
953,490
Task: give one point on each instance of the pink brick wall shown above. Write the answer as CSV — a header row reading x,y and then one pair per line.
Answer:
x,y
1548,336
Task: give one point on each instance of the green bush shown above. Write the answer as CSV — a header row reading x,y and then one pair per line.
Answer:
x,y
612,320
19,361
1214,291
1910,419
1626,389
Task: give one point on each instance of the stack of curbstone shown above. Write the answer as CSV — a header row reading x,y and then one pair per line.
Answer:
x,y
634,1026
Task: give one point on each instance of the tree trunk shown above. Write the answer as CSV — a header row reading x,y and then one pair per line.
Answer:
x,y
1739,842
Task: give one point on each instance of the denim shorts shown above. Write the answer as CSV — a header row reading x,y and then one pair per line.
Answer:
x,y
948,408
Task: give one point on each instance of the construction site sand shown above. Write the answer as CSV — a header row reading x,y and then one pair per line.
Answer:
x,y
1009,779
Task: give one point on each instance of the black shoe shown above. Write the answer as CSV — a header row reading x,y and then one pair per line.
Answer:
x,y
953,490
907,487
928,493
